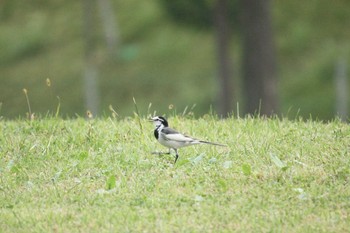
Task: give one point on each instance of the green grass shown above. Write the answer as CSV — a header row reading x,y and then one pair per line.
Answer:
x,y
99,175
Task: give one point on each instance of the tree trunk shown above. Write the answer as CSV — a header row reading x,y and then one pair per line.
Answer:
x,y
341,89
90,70
223,55
109,25
259,68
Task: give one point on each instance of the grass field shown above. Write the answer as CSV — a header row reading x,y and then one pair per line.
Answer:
x,y
99,175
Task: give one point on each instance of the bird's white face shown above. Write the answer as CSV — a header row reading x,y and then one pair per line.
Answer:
x,y
158,121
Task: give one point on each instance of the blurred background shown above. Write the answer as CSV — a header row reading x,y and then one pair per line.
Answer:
x,y
228,56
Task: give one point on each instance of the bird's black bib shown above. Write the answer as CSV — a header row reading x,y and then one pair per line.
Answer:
x,y
156,133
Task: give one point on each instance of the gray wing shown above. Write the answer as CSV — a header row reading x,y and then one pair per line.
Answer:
x,y
169,134
173,135
168,130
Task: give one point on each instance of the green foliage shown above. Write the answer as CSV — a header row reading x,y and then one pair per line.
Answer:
x,y
99,175
308,54
157,61
194,13
197,13
21,42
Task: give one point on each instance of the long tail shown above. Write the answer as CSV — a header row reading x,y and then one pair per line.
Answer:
x,y
213,143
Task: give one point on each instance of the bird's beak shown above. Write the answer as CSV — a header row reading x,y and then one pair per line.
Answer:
x,y
150,120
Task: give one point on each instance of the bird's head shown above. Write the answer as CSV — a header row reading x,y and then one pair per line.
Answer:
x,y
159,120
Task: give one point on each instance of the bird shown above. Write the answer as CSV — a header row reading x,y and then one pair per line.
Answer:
x,y
172,139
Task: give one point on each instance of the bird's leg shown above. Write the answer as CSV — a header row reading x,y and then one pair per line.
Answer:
x,y
176,156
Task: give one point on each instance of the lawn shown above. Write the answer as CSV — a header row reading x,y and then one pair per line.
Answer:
x,y
100,175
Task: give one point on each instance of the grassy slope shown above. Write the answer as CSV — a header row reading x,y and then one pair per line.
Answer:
x,y
99,176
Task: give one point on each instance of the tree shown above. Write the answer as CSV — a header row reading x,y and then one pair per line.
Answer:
x,y
90,78
259,68
110,27
206,15
222,28
259,65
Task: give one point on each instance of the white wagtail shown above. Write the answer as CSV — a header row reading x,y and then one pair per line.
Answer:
x,y
172,139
